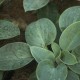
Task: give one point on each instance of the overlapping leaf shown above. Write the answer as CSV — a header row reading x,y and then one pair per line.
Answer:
x,y
72,76
50,11
14,55
75,68
70,38
68,58
76,52
40,33
69,16
46,70
41,54
8,29
56,49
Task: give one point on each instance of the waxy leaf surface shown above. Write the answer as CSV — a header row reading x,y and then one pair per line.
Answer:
x,y
14,55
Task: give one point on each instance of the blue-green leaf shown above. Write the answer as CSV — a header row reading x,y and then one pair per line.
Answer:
x,y
46,70
70,38
56,49
72,76
14,55
69,16
75,68
30,5
76,52
68,58
8,29
40,33
41,54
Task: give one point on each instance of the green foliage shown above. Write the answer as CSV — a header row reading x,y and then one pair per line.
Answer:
x,y
8,29
56,49
14,56
68,58
46,70
70,38
72,76
49,11
40,33
41,54
56,61
75,68
69,16
30,5
66,54
76,52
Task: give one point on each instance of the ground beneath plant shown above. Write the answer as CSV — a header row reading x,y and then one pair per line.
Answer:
x,y
24,73
13,10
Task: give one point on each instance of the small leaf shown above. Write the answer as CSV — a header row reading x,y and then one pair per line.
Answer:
x,y
8,29
40,33
41,54
47,71
70,37
68,58
30,5
33,76
14,55
69,16
75,68
56,49
72,76
77,53
1,75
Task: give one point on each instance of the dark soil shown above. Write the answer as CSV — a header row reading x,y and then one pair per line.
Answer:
x,y
24,73
13,10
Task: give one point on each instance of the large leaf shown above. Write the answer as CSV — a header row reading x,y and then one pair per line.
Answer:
x,y
68,58
47,71
56,49
72,76
75,68
8,29
69,16
40,33
41,54
14,55
34,4
70,37
1,75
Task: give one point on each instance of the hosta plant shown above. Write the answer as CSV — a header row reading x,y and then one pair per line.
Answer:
x,y
57,60
62,61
